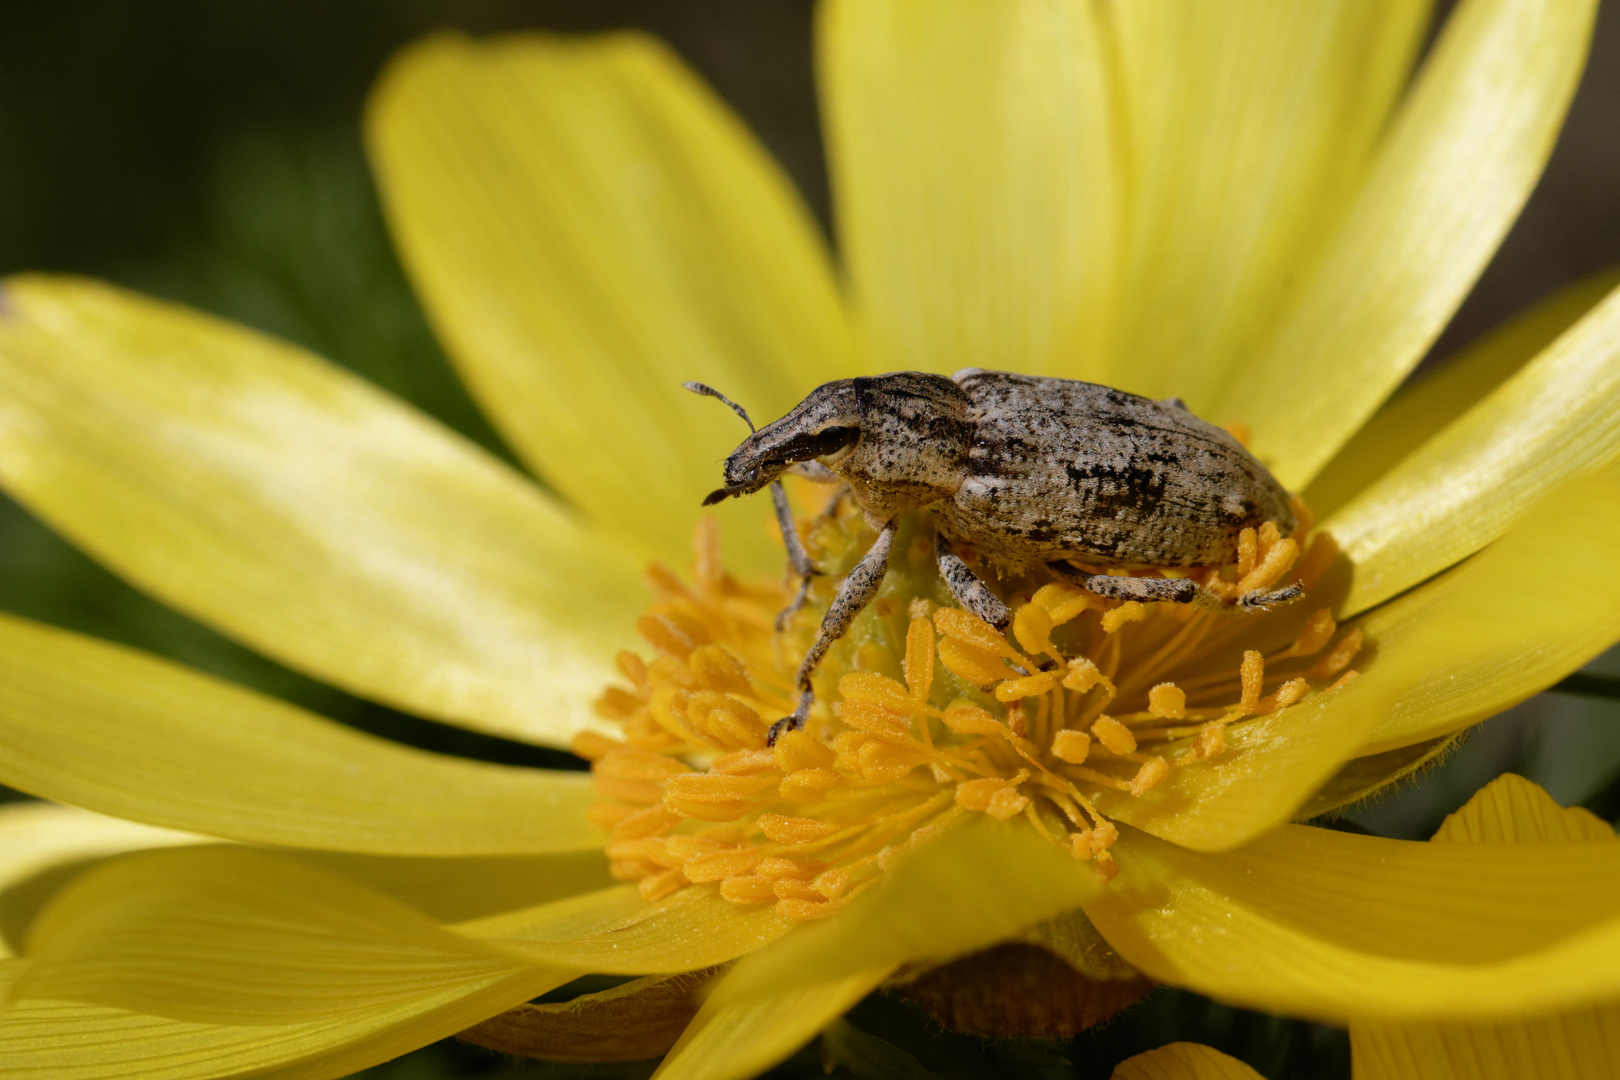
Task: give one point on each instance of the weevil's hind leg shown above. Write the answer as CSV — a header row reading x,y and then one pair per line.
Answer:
x,y
798,558
853,596
971,592
1174,590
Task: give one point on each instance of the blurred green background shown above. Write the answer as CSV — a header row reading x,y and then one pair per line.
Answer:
x,y
208,152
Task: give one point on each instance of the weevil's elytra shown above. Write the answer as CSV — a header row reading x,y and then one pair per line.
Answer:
x,y
1025,470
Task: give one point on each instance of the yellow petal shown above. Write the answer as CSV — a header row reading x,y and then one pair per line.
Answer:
x,y
1248,127
75,1041
1450,653
979,203
589,227
1435,399
40,844
1471,643
957,894
1447,178
468,888
614,931
1583,1044
1576,1044
304,513
1512,810
1336,927
228,935
1461,490
1184,1061
732,1039
124,733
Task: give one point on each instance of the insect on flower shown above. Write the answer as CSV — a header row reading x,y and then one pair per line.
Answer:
x,y
1025,470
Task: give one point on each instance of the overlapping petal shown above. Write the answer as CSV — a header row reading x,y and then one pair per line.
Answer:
x,y
124,733
1246,129
203,961
977,188
1435,399
1447,178
1462,488
927,908
299,510
588,227
736,1039
1446,655
1335,926
44,842
1580,1044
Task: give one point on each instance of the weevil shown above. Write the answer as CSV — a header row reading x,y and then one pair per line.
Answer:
x,y
1026,471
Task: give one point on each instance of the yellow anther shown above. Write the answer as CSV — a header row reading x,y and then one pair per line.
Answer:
x,y
883,761
797,750
1150,775
1211,740
720,865
1032,626
1253,673
978,666
1062,602
775,867
1338,658
1071,746
1248,552
972,720
751,889
744,763
1286,694
1167,701
1030,686
719,670
1006,803
792,830
877,689
793,889
591,745
806,909
657,886
1114,735
1318,631
959,625
1082,675
919,658
875,720
808,784
1128,612
832,883
977,795
649,821
607,815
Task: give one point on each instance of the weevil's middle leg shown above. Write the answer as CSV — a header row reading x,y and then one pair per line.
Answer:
x,y
1174,590
853,596
971,592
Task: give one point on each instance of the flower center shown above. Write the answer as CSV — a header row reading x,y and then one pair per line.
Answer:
x,y
925,715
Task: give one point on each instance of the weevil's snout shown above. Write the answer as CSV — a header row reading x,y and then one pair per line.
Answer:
x,y
822,425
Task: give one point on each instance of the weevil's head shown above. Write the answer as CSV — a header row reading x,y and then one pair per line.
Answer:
x,y
823,427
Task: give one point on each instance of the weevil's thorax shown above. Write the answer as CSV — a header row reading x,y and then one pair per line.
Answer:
x,y
913,449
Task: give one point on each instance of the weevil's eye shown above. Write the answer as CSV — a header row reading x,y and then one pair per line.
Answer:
x,y
830,440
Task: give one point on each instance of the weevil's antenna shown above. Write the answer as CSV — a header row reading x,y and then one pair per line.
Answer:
x,y
709,391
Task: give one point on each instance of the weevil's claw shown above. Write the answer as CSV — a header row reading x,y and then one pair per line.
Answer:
x,y
1266,599
794,720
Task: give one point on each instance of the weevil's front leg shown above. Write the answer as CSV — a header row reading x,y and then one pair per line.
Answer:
x,y
853,596
798,558
972,593
1174,590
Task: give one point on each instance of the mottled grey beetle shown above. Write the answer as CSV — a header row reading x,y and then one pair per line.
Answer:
x,y
1027,471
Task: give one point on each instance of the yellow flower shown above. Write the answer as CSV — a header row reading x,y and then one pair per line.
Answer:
x,y
1246,206
1580,1043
